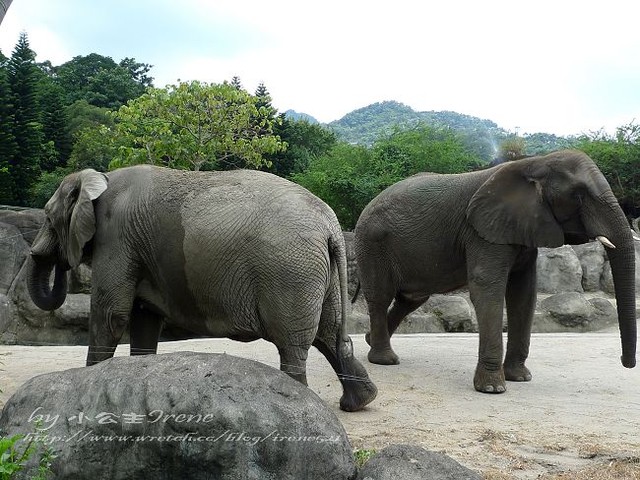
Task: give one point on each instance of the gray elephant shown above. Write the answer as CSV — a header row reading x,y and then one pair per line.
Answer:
x,y
435,233
239,254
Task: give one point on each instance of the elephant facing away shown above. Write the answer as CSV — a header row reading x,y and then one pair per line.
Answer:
x,y
435,233
240,254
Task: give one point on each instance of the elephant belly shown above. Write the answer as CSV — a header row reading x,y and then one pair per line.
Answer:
x,y
430,279
211,320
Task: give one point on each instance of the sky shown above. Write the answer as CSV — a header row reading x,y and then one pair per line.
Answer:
x,y
557,66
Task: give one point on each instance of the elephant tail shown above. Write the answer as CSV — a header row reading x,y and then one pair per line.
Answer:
x,y
357,292
338,251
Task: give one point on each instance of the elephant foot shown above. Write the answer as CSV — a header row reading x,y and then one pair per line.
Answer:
x,y
383,356
358,389
357,394
489,381
517,373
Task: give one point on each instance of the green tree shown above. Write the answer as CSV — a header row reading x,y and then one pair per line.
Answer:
x,y
305,142
344,179
24,77
81,115
101,81
236,83
618,157
8,145
195,126
55,125
95,147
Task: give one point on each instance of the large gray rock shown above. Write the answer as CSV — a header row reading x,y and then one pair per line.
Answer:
x,y
13,252
592,258
573,311
183,415
28,221
454,312
559,270
410,462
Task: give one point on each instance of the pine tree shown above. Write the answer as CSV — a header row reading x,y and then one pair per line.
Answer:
x,y
235,82
8,146
55,126
24,77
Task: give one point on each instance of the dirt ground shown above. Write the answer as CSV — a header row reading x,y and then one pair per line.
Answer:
x,y
580,413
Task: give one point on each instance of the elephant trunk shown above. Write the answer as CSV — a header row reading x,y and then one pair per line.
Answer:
x,y
612,223
622,260
38,283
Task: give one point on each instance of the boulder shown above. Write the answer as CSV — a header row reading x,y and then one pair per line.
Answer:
x,y
559,270
410,462
8,321
13,252
28,221
453,311
182,415
573,311
592,258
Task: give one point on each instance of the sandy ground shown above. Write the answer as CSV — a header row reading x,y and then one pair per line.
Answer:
x,y
582,407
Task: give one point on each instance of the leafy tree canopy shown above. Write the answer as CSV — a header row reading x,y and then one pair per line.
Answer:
x,y
618,157
195,126
101,81
305,142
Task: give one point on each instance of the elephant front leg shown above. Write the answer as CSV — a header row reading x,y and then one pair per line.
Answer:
x,y
487,284
521,301
105,331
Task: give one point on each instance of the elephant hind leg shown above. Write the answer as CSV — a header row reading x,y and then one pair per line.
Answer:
x,y
144,329
358,389
337,348
382,353
293,361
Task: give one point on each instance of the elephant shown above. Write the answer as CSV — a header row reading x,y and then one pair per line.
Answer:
x,y
240,254
434,233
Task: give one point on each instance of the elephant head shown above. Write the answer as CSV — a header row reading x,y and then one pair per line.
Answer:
x,y
70,223
556,199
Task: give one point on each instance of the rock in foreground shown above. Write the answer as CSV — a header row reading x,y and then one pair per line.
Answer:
x,y
410,462
183,415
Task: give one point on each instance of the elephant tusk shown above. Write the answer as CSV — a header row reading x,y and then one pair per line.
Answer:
x,y
605,241
635,236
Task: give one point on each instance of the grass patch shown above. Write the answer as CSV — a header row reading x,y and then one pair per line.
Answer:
x,y
362,456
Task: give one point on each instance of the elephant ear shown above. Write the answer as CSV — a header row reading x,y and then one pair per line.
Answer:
x,y
83,220
510,208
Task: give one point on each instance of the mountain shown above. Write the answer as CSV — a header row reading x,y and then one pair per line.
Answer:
x,y
365,125
293,115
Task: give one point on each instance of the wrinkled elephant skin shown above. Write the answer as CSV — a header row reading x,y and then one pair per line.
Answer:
x,y
434,233
240,254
